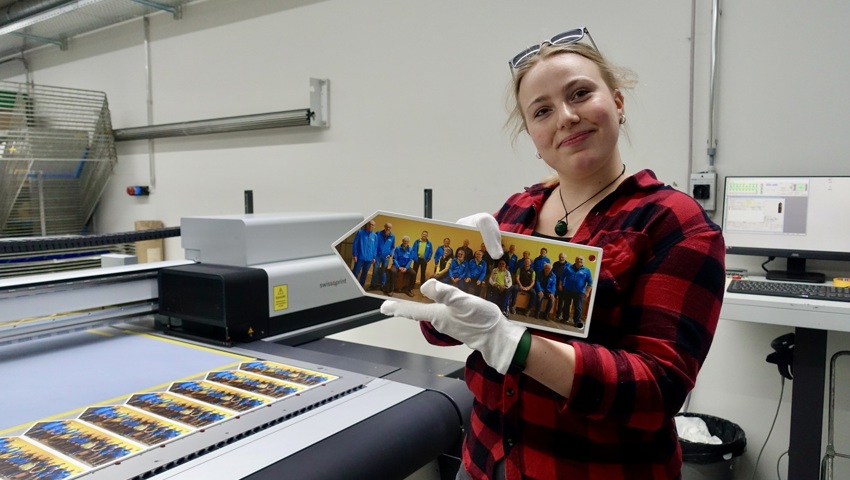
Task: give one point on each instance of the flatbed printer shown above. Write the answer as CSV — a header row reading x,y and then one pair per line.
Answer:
x,y
376,419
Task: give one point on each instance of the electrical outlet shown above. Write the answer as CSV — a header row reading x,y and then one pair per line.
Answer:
x,y
704,189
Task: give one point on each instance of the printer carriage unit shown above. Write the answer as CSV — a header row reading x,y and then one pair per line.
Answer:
x,y
220,302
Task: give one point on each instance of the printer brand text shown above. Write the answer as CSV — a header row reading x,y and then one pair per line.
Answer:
x,y
332,283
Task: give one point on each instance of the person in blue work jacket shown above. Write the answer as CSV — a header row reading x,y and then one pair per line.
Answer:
x,y
456,271
520,263
402,264
476,274
422,251
386,245
576,284
558,269
364,250
544,288
510,259
439,253
541,260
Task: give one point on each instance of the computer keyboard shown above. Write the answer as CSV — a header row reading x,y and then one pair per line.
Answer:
x,y
790,290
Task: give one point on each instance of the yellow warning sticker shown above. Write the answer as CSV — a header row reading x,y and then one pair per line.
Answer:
x,y
281,297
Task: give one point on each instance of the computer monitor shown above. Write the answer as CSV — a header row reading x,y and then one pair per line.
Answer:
x,y
798,218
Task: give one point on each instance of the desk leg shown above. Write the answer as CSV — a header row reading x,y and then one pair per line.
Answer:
x,y
807,404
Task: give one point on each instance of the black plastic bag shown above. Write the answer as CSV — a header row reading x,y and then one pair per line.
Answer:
x,y
733,438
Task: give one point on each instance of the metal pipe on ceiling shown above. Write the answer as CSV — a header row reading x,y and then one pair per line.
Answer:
x,y
712,107
146,24
14,11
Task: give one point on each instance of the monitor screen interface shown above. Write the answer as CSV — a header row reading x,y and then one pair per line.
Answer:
x,y
794,217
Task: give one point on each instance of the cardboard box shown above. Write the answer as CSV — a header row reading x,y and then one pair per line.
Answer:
x,y
150,250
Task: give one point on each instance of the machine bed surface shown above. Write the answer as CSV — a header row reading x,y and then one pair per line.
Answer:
x,y
57,376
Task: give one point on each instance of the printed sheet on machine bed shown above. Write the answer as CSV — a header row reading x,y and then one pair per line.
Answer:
x,y
83,401
58,377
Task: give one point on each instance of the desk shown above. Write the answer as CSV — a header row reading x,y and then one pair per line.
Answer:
x,y
811,319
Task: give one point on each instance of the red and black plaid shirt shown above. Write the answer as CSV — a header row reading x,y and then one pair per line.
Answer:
x,y
657,303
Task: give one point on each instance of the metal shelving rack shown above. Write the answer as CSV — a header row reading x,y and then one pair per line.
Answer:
x,y
57,25
57,152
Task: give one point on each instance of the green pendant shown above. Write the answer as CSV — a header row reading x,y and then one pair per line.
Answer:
x,y
561,228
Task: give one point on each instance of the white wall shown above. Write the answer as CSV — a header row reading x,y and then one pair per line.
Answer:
x,y
417,101
782,108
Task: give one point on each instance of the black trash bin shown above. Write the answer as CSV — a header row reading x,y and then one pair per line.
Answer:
x,y
713,462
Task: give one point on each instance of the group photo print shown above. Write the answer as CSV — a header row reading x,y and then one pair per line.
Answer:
x,y
536,282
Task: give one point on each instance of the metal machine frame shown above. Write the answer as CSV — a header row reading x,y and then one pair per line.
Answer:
x,y
343,426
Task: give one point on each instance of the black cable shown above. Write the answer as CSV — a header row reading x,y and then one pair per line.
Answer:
x,y
778,475
758,459
769,259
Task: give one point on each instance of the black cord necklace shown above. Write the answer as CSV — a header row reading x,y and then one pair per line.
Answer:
x,y
563,225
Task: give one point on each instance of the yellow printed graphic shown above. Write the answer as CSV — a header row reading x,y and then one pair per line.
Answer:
x,y
281,297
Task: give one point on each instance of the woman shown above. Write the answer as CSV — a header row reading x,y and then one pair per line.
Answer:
x,y
549,406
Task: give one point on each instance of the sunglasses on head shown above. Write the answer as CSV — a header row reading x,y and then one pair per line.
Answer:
x,y
565,38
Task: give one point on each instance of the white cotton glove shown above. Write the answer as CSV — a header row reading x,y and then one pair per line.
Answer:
x,y
466,318
489,228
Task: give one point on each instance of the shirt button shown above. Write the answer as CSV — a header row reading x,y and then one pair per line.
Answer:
x,y
510,442
510,392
